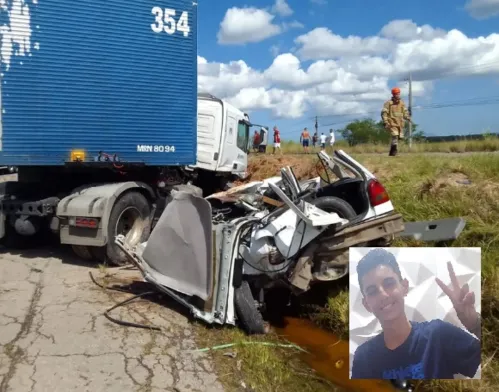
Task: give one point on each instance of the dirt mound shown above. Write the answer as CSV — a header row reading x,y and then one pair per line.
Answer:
x,y
265,166
490,189
436,185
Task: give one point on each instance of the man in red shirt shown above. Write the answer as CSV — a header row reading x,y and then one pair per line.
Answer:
x,y
256,141
277,140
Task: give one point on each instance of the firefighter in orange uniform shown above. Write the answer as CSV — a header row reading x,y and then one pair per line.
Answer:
x,y
394,115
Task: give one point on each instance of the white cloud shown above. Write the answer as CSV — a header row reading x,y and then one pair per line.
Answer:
x,y
292,25
287,89
275,50
419,89
226,80
454,54
245,25
322,43
406,30
282,8
482,9
350,74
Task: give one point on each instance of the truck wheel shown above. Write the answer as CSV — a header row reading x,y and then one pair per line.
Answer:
x,y
83,252
248,315
130,216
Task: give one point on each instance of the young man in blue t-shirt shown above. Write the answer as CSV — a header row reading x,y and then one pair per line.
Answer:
x,y
409,350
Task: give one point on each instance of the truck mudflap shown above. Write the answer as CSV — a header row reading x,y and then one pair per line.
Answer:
x,y
92,202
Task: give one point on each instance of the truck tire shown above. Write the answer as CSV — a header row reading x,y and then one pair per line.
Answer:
x,y
83,252
130,216
249,317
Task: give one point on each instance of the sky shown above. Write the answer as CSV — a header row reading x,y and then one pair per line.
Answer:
x,y
285,62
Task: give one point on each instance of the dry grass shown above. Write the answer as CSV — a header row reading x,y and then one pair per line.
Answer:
x,y
421,188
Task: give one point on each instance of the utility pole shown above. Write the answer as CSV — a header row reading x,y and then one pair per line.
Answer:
x,y
316,125
410,111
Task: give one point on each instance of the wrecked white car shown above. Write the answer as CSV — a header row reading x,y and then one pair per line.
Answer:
x,y
219,255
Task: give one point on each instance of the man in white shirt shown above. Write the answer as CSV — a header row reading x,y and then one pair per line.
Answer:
x,y
323,141
331,138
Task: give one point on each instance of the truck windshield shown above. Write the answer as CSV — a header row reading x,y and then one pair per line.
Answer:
x,y
243,136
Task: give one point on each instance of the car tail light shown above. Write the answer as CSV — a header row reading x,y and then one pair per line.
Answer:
x,y
377,193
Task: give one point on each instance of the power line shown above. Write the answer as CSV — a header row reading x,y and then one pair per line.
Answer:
x,y
457,71
443,75
429,107
433,105
460,103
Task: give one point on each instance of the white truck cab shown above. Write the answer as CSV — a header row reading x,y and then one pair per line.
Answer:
x,y
223,136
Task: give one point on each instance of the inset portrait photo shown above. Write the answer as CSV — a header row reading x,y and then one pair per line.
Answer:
x,y
415,313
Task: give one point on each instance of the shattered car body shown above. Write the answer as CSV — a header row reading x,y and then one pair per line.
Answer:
x,y
220,254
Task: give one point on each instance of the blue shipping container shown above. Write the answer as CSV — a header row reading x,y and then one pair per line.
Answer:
x,y
98,75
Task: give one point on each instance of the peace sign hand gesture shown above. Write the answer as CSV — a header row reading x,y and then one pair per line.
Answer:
x,y
462,299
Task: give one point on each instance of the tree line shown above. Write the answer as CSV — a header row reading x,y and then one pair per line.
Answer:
x,y
368,131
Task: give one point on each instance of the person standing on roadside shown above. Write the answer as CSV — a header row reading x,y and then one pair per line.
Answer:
x,y
331,138
314,140
277,140
305,140
394,114
256,141
323,141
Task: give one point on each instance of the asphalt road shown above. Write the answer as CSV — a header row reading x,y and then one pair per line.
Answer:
x,y
54,337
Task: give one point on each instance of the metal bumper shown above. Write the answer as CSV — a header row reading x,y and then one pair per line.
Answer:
x,y
435,231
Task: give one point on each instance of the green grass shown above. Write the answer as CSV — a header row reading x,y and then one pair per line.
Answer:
x,y
488,144
260,368
421,188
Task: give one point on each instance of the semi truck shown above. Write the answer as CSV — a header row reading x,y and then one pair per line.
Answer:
x,y
101,116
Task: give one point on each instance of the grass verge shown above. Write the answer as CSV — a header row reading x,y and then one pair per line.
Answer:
x,y
258,367
429,187
421,188
487,144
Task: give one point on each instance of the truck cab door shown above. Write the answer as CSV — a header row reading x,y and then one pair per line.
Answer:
x,y
234,145
243,145
228,143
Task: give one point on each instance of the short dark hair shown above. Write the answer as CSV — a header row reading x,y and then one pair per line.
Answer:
x,y
372,259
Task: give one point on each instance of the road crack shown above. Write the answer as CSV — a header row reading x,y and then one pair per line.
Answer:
x,y
14,352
